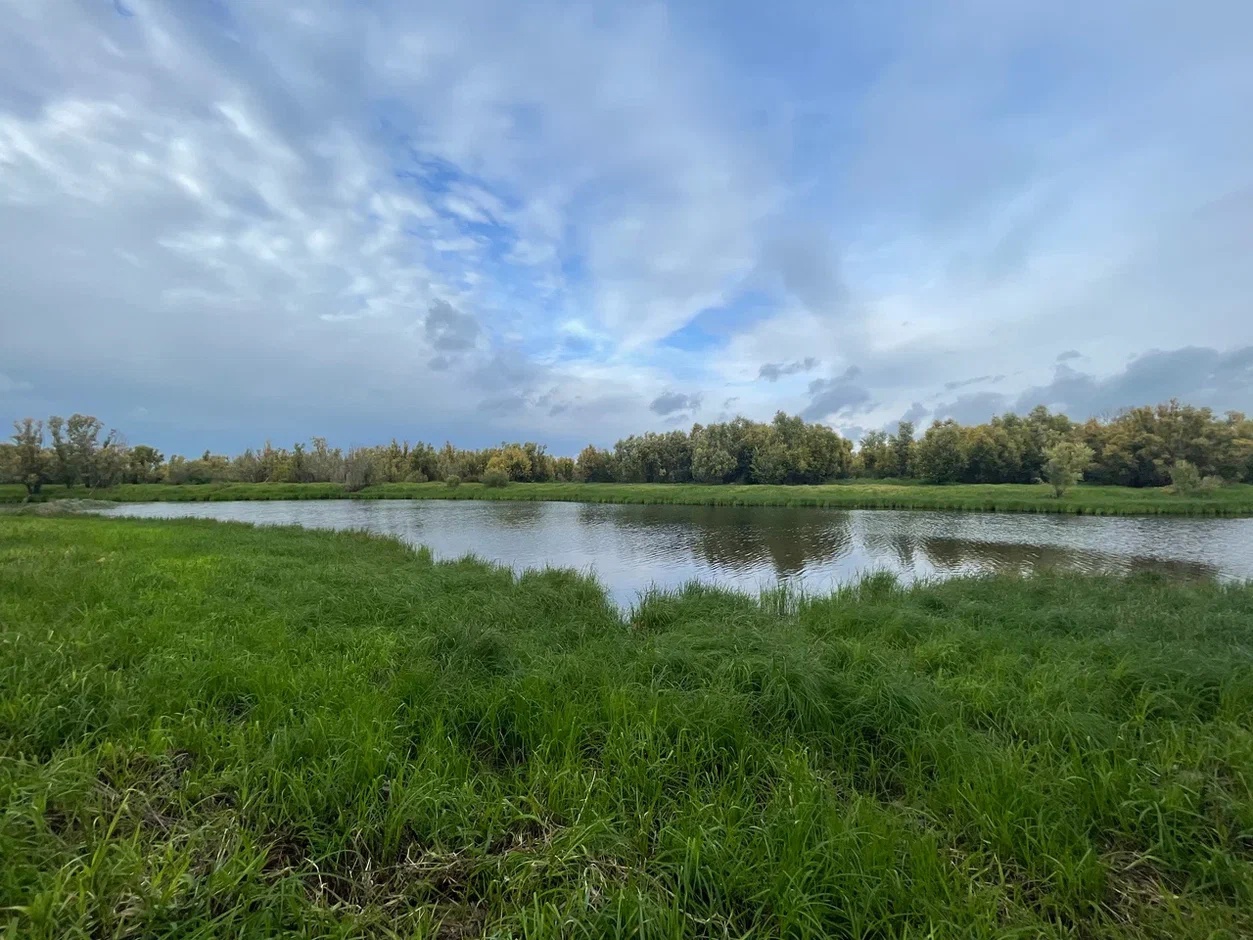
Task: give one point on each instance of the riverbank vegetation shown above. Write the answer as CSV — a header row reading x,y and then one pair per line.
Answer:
x,y
1230,500
1189,448
213,730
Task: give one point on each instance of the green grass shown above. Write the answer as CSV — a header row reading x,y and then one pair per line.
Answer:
x,y
1232,500
212,730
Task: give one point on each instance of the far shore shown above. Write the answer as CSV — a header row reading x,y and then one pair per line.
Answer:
x,y
1229,500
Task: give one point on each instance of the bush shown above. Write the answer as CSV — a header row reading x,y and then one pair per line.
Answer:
x,y
1185,478
452,481
496,479
416,477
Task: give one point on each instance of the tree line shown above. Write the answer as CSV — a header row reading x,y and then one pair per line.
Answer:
x,y
1170,443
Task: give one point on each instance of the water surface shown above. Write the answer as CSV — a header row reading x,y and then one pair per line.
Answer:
x,y
631,548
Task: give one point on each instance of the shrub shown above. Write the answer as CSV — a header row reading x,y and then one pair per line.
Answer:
x,y
1185,478
452,481
417,476
496,479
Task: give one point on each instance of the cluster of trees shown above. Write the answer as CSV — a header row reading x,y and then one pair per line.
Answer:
x,y
786,450
358,467
1150,446
70,452
77,452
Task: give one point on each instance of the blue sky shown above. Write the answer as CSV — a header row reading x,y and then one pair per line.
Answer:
x,y
226,222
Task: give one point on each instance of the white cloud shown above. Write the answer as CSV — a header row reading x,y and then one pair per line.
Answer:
x,y
246,212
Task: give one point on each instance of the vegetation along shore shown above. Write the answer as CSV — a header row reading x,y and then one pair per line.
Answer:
x,y
215,730
1229,500
1171,458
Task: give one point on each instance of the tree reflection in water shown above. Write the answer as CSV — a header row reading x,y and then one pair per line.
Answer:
x,y
951,556
736,538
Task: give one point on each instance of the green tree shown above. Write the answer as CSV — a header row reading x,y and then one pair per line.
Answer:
x,y
1065,463
30,463
595,466
246,468
713,454
674,457
107,464
941,455
1134,453
992,456
298,466
875,454
144,464
772,461
902,445
512,460
63,468
82,433
829,457
631,460
540,464
423,459
358,470
1041,430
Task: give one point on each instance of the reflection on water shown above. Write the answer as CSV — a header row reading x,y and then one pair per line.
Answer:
x,y
954,556
519,515
631,548
784,542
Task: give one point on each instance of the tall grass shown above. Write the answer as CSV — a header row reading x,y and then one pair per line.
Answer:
x,y
1231,500
211,730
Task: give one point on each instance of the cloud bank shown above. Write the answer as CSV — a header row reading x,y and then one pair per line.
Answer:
x,y
226,222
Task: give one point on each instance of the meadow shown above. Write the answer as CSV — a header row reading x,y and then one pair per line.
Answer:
x,y
213,730
1229,500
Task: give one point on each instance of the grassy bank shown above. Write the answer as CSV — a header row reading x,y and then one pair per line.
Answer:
x,y
1234,500
212,730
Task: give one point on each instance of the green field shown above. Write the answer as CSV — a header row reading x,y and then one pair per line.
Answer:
x,y
1230,500
212,730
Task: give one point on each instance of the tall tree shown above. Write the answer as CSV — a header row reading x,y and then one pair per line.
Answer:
x,y
903,449
64,467
30,462
876,454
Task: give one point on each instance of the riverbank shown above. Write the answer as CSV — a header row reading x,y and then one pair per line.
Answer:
x,y
1232,500
219,730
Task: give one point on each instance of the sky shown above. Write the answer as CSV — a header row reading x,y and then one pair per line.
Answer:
x,y
227,222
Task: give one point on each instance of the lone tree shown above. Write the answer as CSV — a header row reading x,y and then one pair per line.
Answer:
x,y
1064,464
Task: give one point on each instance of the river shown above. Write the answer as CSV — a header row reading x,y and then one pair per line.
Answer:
x,y
631,548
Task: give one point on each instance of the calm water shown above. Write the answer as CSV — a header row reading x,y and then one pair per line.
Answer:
x,y
632,547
